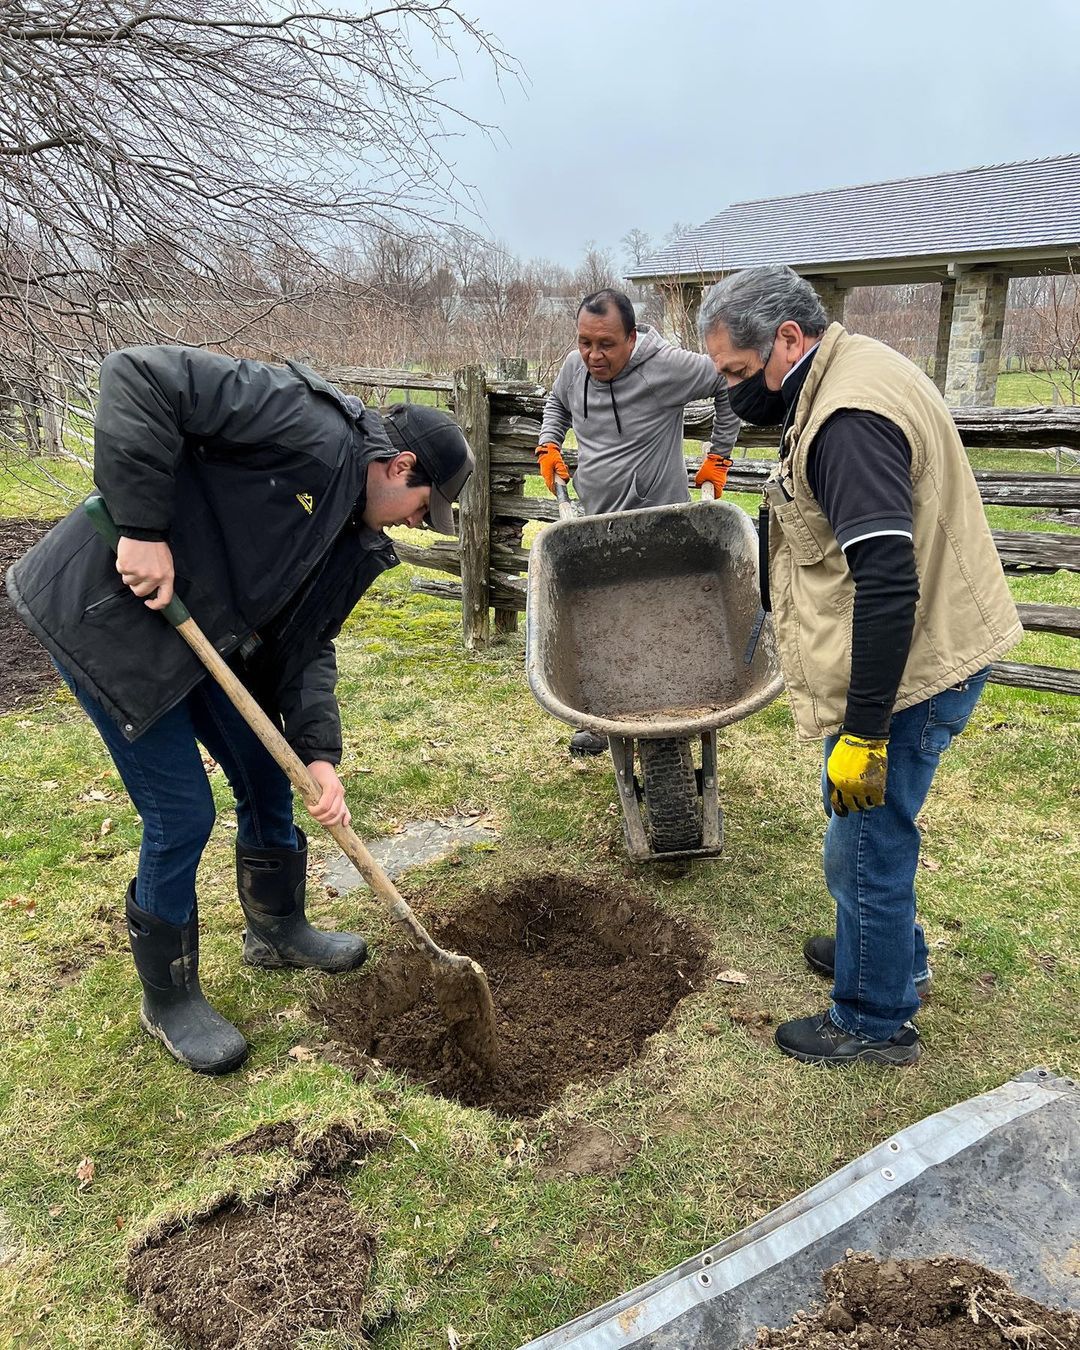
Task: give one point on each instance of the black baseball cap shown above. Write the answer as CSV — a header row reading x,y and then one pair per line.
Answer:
x,y
440,449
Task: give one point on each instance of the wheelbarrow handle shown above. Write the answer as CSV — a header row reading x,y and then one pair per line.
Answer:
x,y
562,495
708,492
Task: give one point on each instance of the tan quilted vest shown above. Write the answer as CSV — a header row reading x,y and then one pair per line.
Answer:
x,y
965,616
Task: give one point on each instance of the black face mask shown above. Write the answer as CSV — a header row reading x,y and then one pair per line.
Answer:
x,y
753,401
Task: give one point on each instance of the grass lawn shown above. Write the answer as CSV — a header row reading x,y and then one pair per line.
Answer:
x,y
1020,388
471,1234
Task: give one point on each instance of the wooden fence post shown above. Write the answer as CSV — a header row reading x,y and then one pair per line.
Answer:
x,y
474,417
513,368
508,532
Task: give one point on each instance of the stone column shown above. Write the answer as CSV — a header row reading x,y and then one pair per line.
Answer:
x,y
945,320
975,339
832,296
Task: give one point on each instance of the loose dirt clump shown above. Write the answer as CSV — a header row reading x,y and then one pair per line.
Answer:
x,y
26,672
261,1274
584,1150
580,975
944,1303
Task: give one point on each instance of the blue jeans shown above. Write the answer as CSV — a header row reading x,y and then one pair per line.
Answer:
x,y
871,858
166,779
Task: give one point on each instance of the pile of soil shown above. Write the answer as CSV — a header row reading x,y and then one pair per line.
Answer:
x,y
260,1275
26,673
945,1303
581,975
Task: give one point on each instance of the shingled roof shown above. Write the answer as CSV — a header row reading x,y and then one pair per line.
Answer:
x,y
1010,212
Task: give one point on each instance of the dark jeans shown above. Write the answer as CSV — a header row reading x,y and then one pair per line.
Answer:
x,y
871,858
166,779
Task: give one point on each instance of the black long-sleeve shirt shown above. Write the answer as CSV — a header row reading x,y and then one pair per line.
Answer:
x,y
859,470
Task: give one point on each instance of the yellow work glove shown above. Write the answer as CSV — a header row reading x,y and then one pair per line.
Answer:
x,y
856,773
551,463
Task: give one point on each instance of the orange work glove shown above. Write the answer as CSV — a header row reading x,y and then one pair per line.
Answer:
x,y
714,470
552,465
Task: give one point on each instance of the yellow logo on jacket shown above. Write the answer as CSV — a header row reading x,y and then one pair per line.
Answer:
x,y
307,501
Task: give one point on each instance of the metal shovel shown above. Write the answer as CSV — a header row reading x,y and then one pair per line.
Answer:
x,y
461,987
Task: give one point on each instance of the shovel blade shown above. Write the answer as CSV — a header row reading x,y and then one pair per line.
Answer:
x,y
465,1002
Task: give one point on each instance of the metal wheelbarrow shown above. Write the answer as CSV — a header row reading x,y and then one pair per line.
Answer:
x,y
645,627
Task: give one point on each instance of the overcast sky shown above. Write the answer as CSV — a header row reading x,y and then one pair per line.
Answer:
x,y
646,113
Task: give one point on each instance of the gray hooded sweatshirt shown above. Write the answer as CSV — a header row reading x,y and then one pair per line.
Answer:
x,y
630,429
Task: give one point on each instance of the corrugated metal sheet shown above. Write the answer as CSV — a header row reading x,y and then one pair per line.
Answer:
x,y
1034,204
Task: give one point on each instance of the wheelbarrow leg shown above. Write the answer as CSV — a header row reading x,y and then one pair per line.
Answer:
x,y
712,818
622,753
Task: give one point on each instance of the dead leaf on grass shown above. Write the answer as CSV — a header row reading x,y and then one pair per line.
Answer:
x,y
929,863
985,985
106,827
55,1211
301,1054
733,977
85,1172
453,1339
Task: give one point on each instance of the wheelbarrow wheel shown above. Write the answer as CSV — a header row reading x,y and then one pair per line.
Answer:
x,y
672,803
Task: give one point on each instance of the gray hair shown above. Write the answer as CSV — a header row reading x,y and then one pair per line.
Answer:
x,y
752,305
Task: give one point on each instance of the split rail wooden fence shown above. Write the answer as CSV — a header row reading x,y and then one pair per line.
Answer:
x,y
501,419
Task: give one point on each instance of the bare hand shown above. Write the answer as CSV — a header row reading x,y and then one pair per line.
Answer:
x,y
330,809
146,566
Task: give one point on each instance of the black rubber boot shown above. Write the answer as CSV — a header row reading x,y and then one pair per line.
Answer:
x,y
173,1007
587,743
270,882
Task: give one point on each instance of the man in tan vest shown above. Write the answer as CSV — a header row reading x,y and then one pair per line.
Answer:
x,y
889,604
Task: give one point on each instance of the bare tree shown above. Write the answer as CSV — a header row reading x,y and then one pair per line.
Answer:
x,y
596,270
904,316
1053,337
186,170
637,245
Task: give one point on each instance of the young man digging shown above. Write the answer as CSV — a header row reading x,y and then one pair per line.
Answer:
x,y
260,494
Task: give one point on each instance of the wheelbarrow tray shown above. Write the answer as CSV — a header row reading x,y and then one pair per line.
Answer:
x,y
993,1180
637,622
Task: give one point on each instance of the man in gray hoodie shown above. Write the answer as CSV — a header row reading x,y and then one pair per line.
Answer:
x,y
623,391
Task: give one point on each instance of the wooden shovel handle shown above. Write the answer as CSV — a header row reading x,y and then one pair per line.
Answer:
x,y
291,764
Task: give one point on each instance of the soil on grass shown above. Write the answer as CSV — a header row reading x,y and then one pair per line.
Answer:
x,y
944,1303
584,1150
264,1273
580,975
26,672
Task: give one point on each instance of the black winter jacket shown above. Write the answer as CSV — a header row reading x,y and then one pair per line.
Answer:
x,y
256,476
